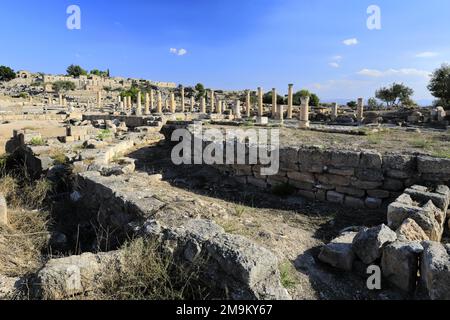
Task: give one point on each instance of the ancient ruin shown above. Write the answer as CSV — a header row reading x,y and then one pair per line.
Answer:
x,y
311,230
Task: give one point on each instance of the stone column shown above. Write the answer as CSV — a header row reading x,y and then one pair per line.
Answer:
x,y
360,110
192,103
61,99
147,104
304,113
220,107
152,100
122,106
159,105
248,104
139,104
290,101
274,102
130,103
334,111
203,105
173,105
237,110
99,99
281,113
183,107
212,102
166,105
260,103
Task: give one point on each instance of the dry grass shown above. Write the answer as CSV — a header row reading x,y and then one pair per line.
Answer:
x,y
26,235
22,242
24,194
58,156
147,275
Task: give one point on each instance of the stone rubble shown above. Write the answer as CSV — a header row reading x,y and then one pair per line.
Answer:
x,y
409,260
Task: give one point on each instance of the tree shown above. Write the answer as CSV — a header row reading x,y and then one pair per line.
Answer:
x,y
314,100
372,103
395,95
60,86
267,98
201,92
352,104
100,73
76,71
6,73
440,85
132,92
301,94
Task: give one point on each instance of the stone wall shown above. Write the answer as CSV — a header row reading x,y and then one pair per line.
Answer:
x,y
32,117
355,178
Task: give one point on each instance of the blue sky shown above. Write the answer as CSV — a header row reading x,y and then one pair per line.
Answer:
x,y
235,44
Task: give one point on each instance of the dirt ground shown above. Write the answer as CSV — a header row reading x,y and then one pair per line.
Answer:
x,y
387,139
293,228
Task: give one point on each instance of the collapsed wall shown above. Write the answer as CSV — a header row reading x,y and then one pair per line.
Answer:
x,y
233,264
408,250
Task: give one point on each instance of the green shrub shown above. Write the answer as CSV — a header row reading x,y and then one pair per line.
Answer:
x,y
37,141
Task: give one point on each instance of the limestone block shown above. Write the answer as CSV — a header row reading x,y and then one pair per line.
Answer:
x,y
399,162
371,159
368,244
400,264
380,194
353,202
301,176
335,197
333,180
313,159
338,253
366,185
393,184
359,193
435,270
345,158
411,231
432,165
441,201
373,203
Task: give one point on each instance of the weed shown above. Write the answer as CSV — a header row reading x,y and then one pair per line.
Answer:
x,y
287,275
105,135
37,141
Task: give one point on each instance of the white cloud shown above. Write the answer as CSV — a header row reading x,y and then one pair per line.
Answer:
x,y
182,52
427,54
177,52
394,72
334,64
337,58
350,42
